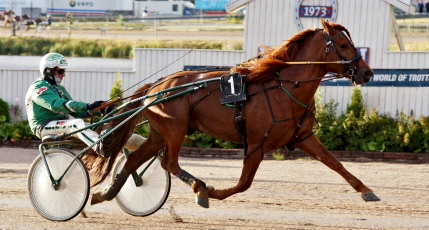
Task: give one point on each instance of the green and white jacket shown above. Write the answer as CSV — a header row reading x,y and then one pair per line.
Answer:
x,y
45,102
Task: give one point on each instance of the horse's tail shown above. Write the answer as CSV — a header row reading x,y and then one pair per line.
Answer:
x,y
99,167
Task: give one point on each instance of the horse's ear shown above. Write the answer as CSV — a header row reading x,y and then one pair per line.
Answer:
x,y
327,27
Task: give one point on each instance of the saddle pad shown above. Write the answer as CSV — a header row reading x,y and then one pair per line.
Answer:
x,y
231,86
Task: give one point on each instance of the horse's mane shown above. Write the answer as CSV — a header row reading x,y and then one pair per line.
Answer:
x,y
260,70
100,167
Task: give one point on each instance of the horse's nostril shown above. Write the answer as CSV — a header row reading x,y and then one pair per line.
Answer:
x,y
368,73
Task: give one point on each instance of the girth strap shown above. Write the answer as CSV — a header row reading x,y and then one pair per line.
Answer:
x,y
291,142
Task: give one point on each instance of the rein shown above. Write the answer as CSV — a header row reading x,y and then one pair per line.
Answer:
x,y
153,74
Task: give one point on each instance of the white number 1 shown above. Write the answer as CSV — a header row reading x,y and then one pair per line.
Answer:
x,y
231,81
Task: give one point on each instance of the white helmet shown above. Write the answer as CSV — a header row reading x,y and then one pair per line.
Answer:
x,y
52,60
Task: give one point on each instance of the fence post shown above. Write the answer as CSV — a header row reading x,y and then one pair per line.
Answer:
x,y
156,29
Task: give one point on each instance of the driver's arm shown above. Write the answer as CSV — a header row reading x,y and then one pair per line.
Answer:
x,y
43,95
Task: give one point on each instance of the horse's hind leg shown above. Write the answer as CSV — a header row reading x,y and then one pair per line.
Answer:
x,y
146,151
314,148
247,174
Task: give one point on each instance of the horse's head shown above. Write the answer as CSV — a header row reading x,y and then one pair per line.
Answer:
x,y
340,47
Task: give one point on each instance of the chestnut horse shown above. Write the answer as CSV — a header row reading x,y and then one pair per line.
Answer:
x,y
273,117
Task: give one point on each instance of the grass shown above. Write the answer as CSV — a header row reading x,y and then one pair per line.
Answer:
x,y
124,48
423,21
115,48
278,155
304,159
412,46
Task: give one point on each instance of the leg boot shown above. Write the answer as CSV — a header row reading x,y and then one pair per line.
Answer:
x,y
113,190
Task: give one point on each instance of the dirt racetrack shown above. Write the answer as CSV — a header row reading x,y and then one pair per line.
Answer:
x,y
285,195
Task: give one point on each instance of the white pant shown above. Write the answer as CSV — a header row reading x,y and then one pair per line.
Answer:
x,y
88,136
66,126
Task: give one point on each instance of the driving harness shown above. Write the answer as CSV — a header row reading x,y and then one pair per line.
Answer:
x,y
308,111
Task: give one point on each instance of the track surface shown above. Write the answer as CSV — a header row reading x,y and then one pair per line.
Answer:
x,y
285,195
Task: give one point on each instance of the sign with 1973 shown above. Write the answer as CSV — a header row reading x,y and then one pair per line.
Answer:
x,y
314,11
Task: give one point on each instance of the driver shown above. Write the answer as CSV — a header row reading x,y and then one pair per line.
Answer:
x,y
47,22
51,110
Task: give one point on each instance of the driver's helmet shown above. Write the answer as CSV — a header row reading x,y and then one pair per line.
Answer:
x,y
52,60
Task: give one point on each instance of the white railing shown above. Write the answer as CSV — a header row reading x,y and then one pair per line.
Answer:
x,y
146,25
410,28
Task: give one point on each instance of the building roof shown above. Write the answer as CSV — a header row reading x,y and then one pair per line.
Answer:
x,y
404,5
236,4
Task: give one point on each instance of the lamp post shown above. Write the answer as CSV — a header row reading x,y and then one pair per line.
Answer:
x,y
12,22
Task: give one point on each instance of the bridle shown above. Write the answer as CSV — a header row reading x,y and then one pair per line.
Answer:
x,y
351,72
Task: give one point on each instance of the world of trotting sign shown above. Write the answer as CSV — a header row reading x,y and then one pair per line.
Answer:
x,y
390,77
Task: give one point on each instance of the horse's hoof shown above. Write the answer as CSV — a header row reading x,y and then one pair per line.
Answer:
x,y
370,197
83,213
203,202
210,188
97,198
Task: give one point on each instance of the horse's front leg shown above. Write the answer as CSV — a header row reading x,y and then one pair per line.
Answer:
x,y
170,163
247,174
143,151
314,148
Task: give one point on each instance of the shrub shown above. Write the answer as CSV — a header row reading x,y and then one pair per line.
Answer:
x,y
225,144
4,110
116,48
356,130
116,89
357,103
143,130
18,131
200,140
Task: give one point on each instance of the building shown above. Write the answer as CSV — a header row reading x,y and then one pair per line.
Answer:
x,y
36,8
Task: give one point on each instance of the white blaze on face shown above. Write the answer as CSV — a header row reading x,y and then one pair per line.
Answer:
x,y
347,36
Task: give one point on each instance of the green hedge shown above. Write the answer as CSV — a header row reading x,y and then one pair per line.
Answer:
x,y
4,111
116,48
356,130
18,131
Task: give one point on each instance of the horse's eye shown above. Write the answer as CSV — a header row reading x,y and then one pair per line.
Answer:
x,y
343,46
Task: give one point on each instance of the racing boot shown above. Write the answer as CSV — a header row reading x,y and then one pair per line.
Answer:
x,y
103,148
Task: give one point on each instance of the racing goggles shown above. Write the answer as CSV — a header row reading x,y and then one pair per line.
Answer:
x,y
61,71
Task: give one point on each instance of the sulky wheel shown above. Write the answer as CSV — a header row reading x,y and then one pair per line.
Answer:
x,y
72,194
150,196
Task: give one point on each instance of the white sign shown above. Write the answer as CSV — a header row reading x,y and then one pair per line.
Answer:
x,y
317,11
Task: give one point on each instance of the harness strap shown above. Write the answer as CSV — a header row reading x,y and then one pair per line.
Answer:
x,y
275,122
208,94
266,134
295,134
295,98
